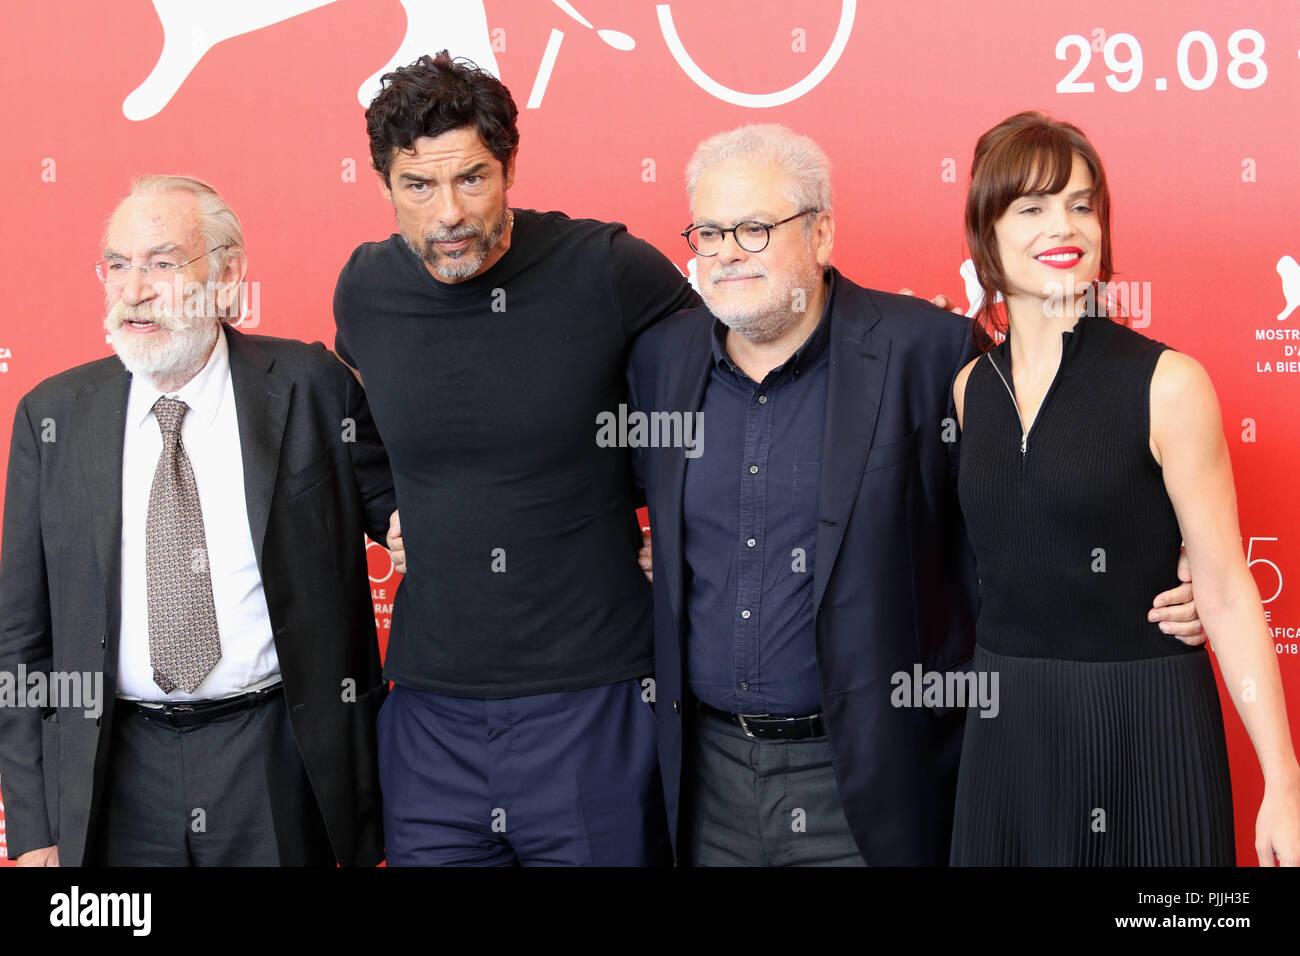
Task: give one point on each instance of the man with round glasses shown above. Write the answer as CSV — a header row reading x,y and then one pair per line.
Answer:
x,y
751,235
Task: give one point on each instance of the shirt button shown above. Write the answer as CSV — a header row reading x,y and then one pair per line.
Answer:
x,y
762,399
745,615
677,707
744,685
751,542
753,469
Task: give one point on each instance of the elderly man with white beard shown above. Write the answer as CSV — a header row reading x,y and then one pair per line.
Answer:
x,y
187,520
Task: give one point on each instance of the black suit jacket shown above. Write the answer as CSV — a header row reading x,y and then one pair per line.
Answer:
x,y
893,579
315,478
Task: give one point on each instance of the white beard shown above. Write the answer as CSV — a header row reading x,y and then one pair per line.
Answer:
x,y
171,356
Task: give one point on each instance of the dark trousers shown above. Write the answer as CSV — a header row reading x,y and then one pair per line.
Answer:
x,y
756,802
230,792
562,779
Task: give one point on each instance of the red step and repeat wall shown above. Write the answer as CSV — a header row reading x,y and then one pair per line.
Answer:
x,y
1192,105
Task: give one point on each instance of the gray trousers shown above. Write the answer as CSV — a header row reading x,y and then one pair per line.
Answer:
x,y
764,802
230,792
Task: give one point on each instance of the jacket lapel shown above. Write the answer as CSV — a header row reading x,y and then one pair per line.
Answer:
x,y
262,408
101,468
858,361
687,395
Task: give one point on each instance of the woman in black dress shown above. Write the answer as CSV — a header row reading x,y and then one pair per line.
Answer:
x,y
1089,452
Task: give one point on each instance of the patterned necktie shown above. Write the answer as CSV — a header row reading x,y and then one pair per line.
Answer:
x,y
183,641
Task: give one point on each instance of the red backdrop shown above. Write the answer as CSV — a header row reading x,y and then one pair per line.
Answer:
x,y
1187,104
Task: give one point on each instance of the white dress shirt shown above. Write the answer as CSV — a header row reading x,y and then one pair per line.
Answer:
x,y
210,436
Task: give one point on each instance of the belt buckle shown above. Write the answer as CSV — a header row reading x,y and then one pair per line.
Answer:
x,y
745,727
179,715
165,711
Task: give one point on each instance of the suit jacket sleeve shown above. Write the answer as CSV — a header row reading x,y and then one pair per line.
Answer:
x,y
964,588
25,638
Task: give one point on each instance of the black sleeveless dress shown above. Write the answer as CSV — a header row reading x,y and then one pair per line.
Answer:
x,y
1107,748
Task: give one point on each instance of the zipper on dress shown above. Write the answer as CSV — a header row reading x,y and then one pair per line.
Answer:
x,y
1051,390
1024,435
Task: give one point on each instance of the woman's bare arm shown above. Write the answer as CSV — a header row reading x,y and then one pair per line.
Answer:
x,y
1187,440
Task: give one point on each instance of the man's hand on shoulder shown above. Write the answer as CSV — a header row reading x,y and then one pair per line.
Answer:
x,y
941,300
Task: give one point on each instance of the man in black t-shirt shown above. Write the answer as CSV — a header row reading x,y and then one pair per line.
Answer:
x,y
492,341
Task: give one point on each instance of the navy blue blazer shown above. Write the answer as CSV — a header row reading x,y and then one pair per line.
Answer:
x,y
893,579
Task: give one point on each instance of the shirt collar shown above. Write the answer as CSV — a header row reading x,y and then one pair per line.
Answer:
x,y
203,393
805,355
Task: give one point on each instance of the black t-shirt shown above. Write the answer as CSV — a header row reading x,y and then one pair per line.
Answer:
x,y
520,529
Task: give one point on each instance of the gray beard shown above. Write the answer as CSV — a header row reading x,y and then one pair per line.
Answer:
x,y
771,320
466,262
757,327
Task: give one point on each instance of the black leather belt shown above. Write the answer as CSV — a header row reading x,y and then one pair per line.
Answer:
x,y
767,727
191,712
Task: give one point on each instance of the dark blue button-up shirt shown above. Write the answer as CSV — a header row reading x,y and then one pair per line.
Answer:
x,y
750,526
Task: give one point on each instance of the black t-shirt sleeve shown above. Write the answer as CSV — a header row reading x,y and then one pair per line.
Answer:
x,y
369,460
648,285
638,459
342,316
342,351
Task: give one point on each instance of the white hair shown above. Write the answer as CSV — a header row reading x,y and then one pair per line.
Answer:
x,y
806,168
218,224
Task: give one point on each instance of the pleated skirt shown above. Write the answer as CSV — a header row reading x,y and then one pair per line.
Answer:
x,y
1096,763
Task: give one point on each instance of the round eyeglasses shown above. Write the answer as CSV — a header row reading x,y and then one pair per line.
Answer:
x,y
751,235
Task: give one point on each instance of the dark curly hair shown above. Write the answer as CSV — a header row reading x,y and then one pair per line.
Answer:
x,y
435,95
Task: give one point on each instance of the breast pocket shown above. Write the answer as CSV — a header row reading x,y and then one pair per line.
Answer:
x,y
807,476
297,482
888,455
